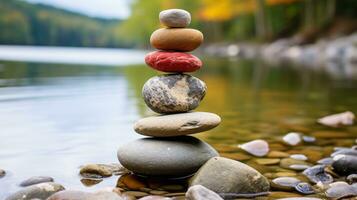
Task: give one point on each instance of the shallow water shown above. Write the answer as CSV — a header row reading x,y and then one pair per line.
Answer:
x,y
54,117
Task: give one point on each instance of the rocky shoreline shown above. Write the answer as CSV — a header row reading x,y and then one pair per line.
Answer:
x,y
336,56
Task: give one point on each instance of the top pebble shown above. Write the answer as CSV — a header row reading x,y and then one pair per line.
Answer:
x,y
175,18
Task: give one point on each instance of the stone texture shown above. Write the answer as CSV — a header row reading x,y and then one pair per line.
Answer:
x,y
35,180
256,147
79,195
177,124
38,191
95,171
198,192
171,156
226,176
173,93
176,39
167,61
345,164
175,18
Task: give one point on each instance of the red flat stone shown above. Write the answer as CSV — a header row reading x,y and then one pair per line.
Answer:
x,y
166,61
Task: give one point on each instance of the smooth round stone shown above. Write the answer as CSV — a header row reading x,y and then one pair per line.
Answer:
x,y
173,93
177,124
35,180
176,39
167,61
175,18
345,164
292,138
171,156
289,163
317,174
341,190
267,161
225,176
285,183
256,147
199,192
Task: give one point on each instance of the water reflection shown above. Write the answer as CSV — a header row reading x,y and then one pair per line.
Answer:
x,y
55,118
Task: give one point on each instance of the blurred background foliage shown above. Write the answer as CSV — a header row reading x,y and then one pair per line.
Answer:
x,y
221,21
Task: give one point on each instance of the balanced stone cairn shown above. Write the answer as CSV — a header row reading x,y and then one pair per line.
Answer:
x,y
169,152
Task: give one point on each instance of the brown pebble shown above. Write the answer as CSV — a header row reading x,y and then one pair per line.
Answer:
x,y
135,193
175,194
177,39
131,182
158,192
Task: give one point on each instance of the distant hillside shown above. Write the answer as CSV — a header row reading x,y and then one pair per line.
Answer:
x,y
23,23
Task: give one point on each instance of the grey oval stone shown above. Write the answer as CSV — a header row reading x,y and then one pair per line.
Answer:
x,y
177,124
285,183
226,176
35,180
38,191
175,18
170,156
317,174
345,164
173,93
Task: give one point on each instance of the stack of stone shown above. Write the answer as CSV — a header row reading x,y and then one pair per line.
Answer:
x,y
169,152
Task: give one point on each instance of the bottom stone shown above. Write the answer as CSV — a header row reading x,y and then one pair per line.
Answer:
x,y
170,157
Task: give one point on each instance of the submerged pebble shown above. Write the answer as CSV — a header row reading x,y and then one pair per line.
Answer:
x,y
304,188
267,161
35,180
256,147
95,171
337,120
350,152
292,138
317,174
325,161
308,139
298,157
285,183
289,163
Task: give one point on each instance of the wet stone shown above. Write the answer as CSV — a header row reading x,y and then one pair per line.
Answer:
x,y
289,163
345,164
285,183
91,181
95,171
292,138
298,167
337,120
35,180
38,191
341,190
317,174
278,154
282,174
352,178
267,161
256,147
298,157
325,161
224,176
131,182
199,192
304,188
135,193
173,93
350,152
308,139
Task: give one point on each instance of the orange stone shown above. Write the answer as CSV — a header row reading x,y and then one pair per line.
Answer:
x,y
176,39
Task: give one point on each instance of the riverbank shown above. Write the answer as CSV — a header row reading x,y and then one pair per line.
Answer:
x,y
337,56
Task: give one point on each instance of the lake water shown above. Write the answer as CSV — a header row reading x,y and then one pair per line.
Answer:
x,y
56,117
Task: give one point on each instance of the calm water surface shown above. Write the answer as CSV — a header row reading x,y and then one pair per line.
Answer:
x,y
55,118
